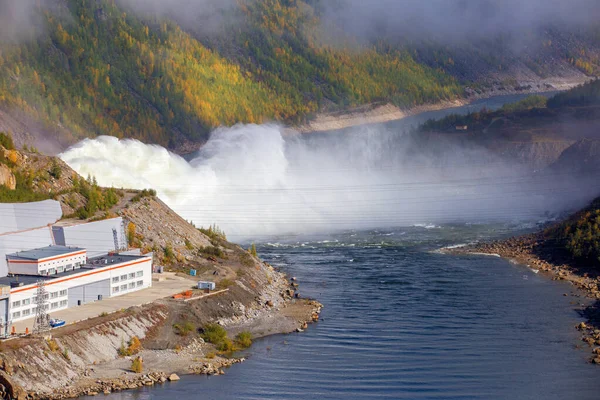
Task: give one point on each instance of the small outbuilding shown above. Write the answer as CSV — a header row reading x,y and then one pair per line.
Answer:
x,y
206,285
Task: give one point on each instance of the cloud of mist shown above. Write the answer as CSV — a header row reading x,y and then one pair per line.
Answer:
x,y
449,21
253,180
205,17
18,20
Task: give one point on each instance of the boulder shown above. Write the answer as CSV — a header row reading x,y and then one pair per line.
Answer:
x,y
173,377
7,178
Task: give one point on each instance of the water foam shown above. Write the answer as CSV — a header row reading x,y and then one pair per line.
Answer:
x,y
254,180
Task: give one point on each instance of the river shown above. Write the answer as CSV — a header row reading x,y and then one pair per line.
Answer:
x,y
402,321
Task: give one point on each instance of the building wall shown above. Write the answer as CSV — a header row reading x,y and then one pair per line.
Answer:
x,y
11,243
48,266
22,298
80,295
22,216
97,237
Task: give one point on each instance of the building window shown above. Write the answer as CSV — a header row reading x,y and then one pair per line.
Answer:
x,y
123,287
16,303
27,312
43,272
132,285
63,303
53,295
140,283
123,277
132,275
63,293
60,269
26,302
54,305
139,273
115,279
51,271
17,314
116,289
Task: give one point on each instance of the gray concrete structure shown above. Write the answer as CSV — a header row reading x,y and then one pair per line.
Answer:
x,y
16,217
96,237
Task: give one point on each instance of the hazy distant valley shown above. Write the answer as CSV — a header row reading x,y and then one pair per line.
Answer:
x,y
169,75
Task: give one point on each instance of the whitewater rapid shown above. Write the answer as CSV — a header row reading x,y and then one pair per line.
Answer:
x,y
256,180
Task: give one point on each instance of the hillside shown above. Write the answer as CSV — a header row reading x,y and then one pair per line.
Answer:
x,y
98,67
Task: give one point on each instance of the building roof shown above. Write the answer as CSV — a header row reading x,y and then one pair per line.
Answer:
x,y
94,263
44,252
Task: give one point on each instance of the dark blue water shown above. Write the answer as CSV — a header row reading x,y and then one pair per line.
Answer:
x,y
404,322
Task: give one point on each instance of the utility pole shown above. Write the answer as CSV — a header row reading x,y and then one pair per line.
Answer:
x,y
42,320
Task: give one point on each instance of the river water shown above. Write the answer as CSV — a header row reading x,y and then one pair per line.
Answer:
x,y
402,321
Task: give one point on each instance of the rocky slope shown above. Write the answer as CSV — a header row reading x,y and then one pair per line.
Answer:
x,y
84,358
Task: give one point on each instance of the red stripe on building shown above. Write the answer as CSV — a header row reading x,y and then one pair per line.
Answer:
x,y
53,282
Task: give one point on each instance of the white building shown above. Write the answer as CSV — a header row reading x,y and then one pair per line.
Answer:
x,y
78,263
29,239
85,281
46,261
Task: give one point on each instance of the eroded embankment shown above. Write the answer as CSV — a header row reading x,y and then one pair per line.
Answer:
x,y
85,358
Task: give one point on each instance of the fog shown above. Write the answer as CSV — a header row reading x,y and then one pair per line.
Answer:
x,y
255,180
205,17
18,20
451,21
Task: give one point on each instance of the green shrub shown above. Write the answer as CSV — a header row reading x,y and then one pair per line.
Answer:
x,y
133,347
6,141
137,365
184,329
52,345
208,251
226,345
55,170
214,233
168,250
243,340
142,194
252,250
214,333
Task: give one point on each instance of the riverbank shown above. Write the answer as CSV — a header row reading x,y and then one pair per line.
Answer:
x,y
381,113
539,254
87,358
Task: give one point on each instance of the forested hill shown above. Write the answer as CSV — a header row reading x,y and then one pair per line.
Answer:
x,y
97,68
